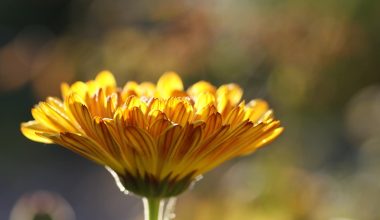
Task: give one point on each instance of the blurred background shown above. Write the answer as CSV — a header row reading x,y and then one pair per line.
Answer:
x,y
316,62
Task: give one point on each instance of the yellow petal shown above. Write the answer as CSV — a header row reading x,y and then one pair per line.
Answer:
x,y
155,115
30,128
64,89
147,89
80,88
105,78
213,124
168,83
159,126
88,148
180,153
204,100
201,87
270,136
81,114
264,139
178,110
228,96
135,117
133,102
130,89
256,109
141,140
191,140
168,140
156,104
205,112
58,117
43,119
235,116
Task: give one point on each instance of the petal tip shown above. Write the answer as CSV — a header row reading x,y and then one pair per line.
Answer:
x,y
106,78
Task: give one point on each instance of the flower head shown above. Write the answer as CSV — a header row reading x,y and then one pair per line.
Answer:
x,y
158,138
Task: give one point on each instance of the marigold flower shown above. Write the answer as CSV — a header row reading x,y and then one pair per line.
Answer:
x,y
157,139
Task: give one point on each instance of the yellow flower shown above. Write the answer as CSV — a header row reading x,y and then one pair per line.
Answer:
x,y
157,139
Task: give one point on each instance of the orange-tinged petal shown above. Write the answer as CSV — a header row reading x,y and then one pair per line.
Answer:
x,y
86,147
168,140
167,144
159,126
190,141
141,141
178,93
235,116
104,138
116,128
135,117
213,124
112,102
178,110
155,115
211,142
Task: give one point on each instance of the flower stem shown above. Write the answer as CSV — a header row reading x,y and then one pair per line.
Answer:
x,y
153,208
159,209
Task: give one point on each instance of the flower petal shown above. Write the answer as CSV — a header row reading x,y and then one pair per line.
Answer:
x,y
86,147
81,114
178,110
141,141
204,100
105,78
256,109
264,139
147,89
168,83
30,128
159,126
228,96
173,145
201,87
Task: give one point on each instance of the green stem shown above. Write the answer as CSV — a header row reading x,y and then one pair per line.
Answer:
x,y
153,208
159,209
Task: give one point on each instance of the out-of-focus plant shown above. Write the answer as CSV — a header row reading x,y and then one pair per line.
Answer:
x,y
42,205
